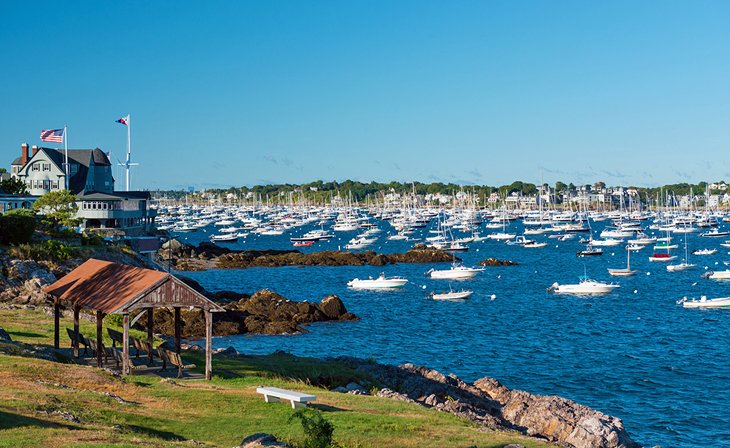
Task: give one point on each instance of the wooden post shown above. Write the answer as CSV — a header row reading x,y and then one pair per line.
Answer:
x,y
99,339
126,370
150,324
75,342
177,330
208,344
56,325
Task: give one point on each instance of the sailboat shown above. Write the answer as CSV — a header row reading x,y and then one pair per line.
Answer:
x,y
627,272
661,256
684,265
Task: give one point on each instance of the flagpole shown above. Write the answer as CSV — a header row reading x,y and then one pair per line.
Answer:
x,y
65,147
129,145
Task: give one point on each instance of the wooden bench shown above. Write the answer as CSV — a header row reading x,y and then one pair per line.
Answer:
x,y
116,336
274,394
143,346
82,340
174,359
95,348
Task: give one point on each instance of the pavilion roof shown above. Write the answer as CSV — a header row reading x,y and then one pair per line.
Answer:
x,y
114,287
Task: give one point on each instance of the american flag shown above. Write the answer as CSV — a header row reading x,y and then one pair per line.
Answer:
x,y
52,135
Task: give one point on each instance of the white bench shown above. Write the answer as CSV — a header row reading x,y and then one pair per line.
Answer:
x,y
274,394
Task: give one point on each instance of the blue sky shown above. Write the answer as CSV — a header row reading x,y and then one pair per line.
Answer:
x,y
473,92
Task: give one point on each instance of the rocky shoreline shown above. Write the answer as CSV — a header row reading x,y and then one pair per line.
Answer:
x,y
485,402
184,257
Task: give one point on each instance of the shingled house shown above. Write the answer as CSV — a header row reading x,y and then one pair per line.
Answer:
x,y
90,179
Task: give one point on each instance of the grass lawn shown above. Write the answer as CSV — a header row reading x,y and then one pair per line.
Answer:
x,y
34,393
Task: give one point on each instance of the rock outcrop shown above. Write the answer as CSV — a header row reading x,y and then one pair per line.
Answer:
x,y
495,262
208,255
265,312
490,404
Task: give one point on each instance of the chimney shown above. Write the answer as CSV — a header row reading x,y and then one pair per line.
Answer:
x,y
24,159
34,148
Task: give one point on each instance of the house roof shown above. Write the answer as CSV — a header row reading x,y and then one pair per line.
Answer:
x,y
83,157
114,287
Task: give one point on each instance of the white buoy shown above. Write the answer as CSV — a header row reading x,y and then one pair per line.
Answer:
x,y
423,286
694,284
648,273
493,296
499,276
635,291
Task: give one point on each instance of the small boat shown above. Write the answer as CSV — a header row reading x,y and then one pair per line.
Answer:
x,y
589,251
680,267
586,287
720,275
662,257
225,238
452,295
534,245
635,247
607,242
704,302
382,282
624,272
303,243
715,233
704,252
454,273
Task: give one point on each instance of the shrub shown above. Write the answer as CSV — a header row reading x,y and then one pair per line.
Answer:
x,y
17,226
317,430
47,250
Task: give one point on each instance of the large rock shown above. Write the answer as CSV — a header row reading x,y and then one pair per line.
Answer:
x,y
262,440
490,404
332,307
556,418
4,336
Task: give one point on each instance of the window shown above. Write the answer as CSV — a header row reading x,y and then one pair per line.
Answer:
x,y
36,167
74,168
46,184
46,167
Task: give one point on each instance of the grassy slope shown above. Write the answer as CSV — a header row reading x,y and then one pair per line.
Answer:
x,y
216,413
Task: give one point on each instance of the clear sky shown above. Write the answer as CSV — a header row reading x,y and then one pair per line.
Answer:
x,y
237,93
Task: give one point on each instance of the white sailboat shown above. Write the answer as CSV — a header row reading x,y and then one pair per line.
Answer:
x,y
684,265
624,272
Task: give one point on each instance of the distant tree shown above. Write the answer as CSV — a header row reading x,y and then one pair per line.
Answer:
x,y
58,208
3,171
13,186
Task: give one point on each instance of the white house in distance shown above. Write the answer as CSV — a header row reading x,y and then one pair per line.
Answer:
x,y
91,180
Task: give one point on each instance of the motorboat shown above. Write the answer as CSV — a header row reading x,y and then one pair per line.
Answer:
x,y
534,245
452,295
382,282
704,252
590,251
586,287
454,273
303,243
225,238
662,257
720,275
607,242
704,302
715,233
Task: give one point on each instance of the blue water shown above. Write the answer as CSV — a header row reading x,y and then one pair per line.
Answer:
x,y
634,353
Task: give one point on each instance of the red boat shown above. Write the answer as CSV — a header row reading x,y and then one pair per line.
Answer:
x,y
303,243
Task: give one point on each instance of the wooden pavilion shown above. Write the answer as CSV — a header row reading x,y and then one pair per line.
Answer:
x,y
114,288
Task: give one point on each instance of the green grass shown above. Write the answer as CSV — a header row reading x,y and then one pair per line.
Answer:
x,y
215,413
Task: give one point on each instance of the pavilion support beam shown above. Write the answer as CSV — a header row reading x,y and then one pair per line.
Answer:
x,y
126,364
99,339
75,342
150,324
208,344
56,325
177,329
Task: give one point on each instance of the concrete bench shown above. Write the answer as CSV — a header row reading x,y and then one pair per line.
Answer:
x,y
274,394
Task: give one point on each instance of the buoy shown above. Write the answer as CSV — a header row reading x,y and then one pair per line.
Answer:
x,y
694,284
499,276
493,296
635,291
648,273
423,286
